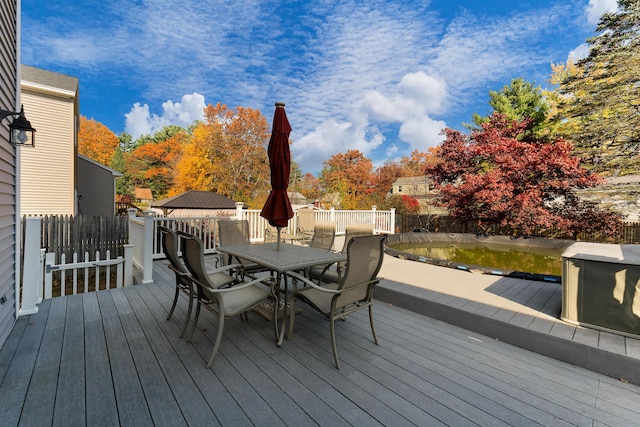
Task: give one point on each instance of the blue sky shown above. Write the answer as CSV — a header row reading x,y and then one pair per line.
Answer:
x,y
383,77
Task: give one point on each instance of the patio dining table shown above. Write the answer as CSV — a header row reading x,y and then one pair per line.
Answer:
x,y
288,258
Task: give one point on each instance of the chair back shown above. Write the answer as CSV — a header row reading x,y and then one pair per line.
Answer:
x,y
233,232
324,234
170,246
353,230
270,234
306,220
364,260
193,255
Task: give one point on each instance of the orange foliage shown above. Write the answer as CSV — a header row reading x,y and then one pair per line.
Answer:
x,y
96,141
227,154
349,175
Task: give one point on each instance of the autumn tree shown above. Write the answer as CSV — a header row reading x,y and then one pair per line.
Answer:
x,y
518,101
153,163
600,94
500,174
310,186
382,182
227,154
416,163
349,176
96,141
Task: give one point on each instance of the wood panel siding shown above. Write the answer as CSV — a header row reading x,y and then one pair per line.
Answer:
x,y
96,188
48,170
8,89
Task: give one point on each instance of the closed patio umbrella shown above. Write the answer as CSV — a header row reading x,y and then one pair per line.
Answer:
x,y
277,209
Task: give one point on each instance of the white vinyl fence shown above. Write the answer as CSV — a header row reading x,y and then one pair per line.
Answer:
x,y
144,234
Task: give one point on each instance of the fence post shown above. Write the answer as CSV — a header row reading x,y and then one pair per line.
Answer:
x,y
373,216
41,276
49,261
30,279
128,265
392,221
147,256
239,210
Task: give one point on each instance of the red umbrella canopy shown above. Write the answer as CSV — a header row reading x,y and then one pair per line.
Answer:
x,y
277,209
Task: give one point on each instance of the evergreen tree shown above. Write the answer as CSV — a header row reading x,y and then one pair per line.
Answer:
x,y
518,101
599,105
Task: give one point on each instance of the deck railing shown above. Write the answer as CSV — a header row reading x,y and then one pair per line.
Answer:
x,y
144,234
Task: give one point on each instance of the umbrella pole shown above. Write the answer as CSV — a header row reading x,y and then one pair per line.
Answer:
x,y
278,244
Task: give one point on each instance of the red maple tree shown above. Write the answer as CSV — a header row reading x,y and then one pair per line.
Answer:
x,y
501,174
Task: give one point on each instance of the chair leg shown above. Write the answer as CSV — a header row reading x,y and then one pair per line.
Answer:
x,y
175,301
218,339
192,296
195,322
333,341
373,329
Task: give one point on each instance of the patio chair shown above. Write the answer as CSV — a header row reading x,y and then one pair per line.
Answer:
x,y
324,234
354,291
306,221
230,301
327,273
236,232
171,245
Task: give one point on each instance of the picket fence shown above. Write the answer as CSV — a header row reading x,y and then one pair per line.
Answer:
x,y
82,276
68,234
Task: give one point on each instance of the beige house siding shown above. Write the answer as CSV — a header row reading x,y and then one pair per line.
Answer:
x,y
48,170
8,90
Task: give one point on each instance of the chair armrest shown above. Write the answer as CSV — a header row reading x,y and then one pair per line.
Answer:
x,y
224,269
236,287
310,283
178,272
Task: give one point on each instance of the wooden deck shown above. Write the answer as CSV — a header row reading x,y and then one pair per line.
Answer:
x,y
111,358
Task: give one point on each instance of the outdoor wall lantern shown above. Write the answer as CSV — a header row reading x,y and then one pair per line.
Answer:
x,y
22,133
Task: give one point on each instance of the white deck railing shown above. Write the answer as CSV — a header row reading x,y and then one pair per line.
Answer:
x,y
144,234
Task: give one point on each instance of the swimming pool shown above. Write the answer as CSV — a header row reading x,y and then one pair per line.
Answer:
x,y
531,258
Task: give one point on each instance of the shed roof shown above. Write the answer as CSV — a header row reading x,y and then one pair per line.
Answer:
x,y
195,199
114,172
143,193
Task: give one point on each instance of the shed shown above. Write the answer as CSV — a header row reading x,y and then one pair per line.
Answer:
x,y
143,194
196,203
96,187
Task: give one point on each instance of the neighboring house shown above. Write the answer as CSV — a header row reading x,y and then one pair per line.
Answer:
x,y
195,203
296,198
96,187
143,195
48,171
414,186
620,194
9,186
421,189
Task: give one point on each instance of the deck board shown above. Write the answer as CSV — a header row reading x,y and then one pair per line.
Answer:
x,y
117,348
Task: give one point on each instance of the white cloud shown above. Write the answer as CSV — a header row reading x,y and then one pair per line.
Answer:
x,y
377,76
594,10
139,121
416,96
580,52
597,8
